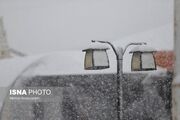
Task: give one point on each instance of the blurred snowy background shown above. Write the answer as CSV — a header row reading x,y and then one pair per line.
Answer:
x,y
40,26
37,26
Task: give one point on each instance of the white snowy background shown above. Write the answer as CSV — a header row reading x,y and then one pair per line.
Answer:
x,y
42,26
51,25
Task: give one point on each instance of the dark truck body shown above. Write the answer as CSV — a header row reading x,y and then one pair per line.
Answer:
x,y
94,97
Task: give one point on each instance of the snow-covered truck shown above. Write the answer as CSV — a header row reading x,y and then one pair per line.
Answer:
x,y
86,86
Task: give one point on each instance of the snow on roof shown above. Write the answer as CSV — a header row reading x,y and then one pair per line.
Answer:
x,y
97,46
142,48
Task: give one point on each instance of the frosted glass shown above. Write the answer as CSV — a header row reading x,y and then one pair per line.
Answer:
x,y
148,61
100,58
